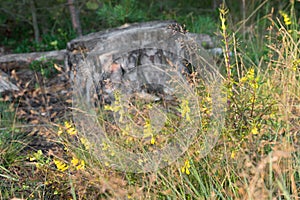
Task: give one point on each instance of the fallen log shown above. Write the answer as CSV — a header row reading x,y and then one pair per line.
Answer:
x,y
23,60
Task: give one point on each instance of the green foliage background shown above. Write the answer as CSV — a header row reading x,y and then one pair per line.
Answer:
x,y
55,24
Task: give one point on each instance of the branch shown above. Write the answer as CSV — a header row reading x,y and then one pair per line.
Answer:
x,y
15,15
13,61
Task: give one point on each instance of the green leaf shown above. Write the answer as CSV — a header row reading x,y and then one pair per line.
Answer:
x,y
92,5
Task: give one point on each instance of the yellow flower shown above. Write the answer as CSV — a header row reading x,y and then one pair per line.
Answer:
x,y
232,154
147,128
208,99
296,64
70,129
126,131
81,166
223,12
85,143
251,79
74,161
60,131
78,164
36,156
129,139
286,18
186,167
61,166
152,140
185,110
112,153
67,124
248,76
254,130
105,146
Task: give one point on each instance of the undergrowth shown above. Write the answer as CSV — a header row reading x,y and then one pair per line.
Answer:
x,y
256,156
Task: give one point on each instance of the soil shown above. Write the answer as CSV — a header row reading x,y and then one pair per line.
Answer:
x,y
40,105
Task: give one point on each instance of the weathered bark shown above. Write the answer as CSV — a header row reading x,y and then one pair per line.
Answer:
x,y
16,61
80,47
136,56
5,84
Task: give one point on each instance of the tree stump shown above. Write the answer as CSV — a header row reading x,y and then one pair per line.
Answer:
x,y
5,84
137,81
129,58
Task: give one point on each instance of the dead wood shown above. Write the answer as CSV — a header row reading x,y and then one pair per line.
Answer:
x,y
22,60
5,84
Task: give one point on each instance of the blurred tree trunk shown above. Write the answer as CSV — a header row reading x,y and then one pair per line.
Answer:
x,y
34,20
244,18
75,17
216,4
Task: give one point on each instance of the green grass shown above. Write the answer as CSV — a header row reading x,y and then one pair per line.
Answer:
x,y
256,156
12,145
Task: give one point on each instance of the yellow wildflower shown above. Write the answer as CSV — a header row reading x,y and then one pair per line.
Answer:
x,y
78,164
112,153
127,129
286,18
232,154
152,140
296,64
186,167
61,166
140,161
147,128
60,131
74,161
223,12
105,146
254,130
129,139
36,156
70,129
67,125
251,79
185,110
82,165
85,143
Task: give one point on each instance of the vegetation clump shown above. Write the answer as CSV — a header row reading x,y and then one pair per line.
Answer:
x,y
256,156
